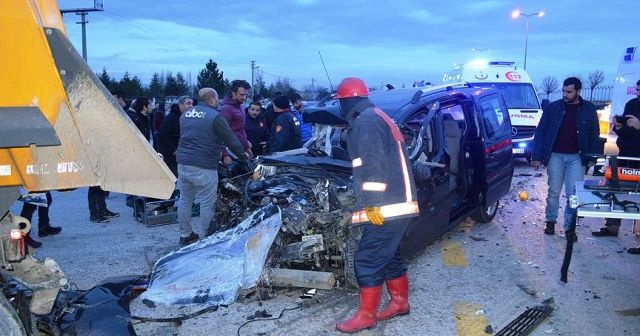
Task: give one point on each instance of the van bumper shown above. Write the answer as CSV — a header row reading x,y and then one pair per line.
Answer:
x,y
522,149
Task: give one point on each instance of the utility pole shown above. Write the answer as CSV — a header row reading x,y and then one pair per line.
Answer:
x,y
83,12
253,68
83,22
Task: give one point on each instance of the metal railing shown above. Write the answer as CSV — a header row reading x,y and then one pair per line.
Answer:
x,y
601,95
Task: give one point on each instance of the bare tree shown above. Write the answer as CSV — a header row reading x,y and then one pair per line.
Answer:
x,y
593,80
549,85
578,76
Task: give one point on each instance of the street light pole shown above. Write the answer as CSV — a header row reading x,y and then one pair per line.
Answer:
x,y
526,42
516,14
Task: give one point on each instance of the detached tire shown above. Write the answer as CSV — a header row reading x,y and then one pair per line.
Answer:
x,y
10,324
353,240
485,213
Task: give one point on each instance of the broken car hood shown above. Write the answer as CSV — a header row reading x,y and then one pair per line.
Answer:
x,y
213,270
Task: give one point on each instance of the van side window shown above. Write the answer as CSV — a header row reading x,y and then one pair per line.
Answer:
x,y
494,118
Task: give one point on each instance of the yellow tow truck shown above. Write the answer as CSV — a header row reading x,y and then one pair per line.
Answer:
x,y
60,129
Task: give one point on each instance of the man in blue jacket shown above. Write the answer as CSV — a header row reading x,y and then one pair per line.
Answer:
x,y
306,129
565,137
386,200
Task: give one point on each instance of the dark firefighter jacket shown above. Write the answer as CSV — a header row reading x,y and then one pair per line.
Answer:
x,y
285,132
382,175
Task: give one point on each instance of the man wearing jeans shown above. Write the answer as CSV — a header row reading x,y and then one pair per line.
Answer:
x,y
565,138
203,131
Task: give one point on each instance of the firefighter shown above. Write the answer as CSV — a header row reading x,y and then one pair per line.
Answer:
x,y
285,130
386,202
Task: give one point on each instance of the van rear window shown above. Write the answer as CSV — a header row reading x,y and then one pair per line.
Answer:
x,y
516,95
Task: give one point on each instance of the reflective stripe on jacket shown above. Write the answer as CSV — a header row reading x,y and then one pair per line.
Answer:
x,y
382,174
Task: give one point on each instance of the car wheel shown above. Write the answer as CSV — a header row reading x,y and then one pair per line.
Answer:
x,y
10,323
353,240
485,213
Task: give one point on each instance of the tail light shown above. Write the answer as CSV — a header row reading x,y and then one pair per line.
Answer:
x,y
16,234
12,246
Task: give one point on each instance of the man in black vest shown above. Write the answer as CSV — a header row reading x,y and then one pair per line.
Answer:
x,y
203,132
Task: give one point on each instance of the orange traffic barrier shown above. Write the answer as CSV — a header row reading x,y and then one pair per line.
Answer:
x,y
624,174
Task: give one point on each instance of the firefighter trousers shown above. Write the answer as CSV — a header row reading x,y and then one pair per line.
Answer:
x,y
378,255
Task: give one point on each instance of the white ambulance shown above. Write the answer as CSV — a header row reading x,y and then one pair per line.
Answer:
x,y
518,91
624,86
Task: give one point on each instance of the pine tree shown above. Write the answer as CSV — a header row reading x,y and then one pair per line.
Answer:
x,y
131,87
261,87
106,80
171,85
156,86
211,77
181,85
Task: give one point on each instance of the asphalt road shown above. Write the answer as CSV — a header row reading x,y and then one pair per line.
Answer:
x,y
476,275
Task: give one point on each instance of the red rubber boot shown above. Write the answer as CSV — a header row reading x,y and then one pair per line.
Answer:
x,y
365,317
399,305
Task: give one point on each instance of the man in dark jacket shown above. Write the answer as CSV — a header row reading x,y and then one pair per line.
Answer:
x,y
256,128
565,137
203,133
285,131
386,194
628,145
157,116
169,134
234,113
139,114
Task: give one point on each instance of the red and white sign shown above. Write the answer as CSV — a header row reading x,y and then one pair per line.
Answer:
x,y
513,76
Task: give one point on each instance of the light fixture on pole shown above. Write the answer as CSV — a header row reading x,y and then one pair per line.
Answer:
x,y
516,14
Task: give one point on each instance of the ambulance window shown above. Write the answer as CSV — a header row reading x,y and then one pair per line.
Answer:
x,y
494,118
516,95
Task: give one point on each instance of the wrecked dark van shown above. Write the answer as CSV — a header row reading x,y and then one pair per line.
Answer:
x,y
459,142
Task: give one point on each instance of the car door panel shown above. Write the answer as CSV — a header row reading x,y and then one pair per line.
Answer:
x,y
496,131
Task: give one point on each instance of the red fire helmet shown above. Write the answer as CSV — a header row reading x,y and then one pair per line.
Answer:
x,y
352,87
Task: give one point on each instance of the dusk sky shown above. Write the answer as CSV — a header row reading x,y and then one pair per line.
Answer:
x,y
395,41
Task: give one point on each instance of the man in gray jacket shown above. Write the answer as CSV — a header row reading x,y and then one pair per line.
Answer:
x,y
203,132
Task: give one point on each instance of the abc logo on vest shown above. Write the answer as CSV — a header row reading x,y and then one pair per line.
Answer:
x,y
195,114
